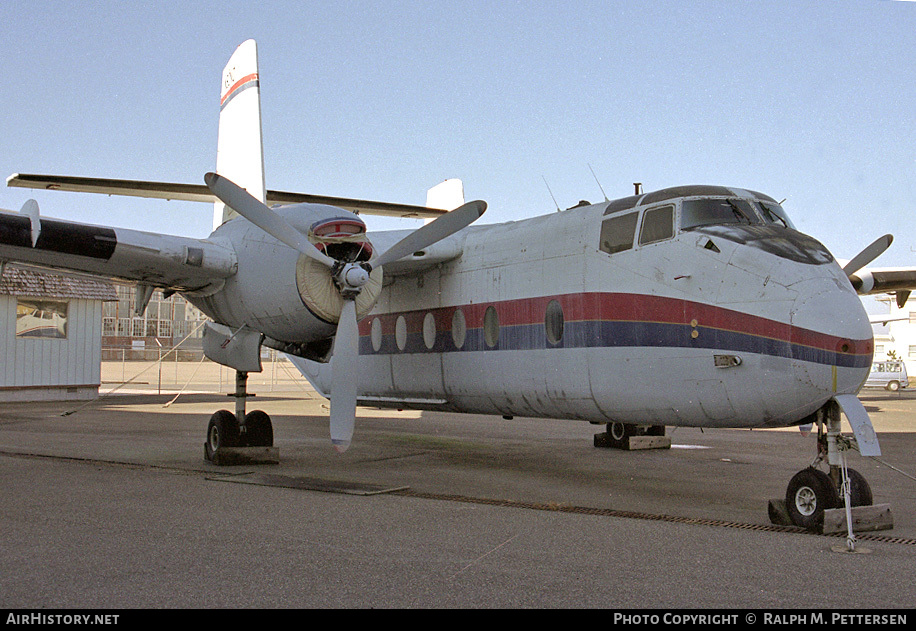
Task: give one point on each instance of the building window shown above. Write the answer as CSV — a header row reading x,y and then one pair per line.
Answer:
x,y
138,327
41,318
911,352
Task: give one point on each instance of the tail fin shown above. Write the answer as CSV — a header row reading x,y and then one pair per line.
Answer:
x,y
240,148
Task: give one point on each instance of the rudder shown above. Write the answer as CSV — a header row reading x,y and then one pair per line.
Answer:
x,y
240,147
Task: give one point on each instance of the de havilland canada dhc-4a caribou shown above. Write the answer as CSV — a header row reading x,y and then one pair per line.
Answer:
x,y
697,306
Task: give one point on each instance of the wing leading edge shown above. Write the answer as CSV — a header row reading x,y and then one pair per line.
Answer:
x,y
166,261
200,193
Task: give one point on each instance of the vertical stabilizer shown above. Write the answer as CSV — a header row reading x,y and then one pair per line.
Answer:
x,y
240,148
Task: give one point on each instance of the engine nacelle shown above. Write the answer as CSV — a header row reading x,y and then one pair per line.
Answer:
x,y
286,295
881,280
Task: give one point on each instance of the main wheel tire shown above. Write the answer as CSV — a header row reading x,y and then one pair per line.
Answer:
x,y
222,431
619,434
259,431
809,494
859,490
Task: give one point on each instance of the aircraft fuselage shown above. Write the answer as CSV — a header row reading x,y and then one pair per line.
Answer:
x,y
622,312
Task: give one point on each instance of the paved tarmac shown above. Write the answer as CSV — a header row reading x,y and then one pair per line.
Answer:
x,y
114,506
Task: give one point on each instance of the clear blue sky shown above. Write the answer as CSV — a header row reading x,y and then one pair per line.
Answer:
x,y
806,100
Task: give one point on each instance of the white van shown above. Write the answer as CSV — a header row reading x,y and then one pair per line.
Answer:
x,y
890,375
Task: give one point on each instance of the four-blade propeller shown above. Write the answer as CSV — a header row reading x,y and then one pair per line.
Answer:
x,y
349,277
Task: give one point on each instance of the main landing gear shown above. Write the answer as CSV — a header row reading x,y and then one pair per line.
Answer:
x,y
632,437
226,436
812,491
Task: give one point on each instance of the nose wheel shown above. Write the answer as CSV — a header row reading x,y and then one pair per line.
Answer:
x,y
809,494
812,491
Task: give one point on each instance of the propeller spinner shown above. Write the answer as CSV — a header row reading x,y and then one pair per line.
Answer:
x,y
349,278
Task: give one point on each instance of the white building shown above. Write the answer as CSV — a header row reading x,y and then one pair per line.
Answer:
x,y
50,335
166,322
897,338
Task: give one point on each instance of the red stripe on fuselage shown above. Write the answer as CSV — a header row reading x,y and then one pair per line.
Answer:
x,y
620,307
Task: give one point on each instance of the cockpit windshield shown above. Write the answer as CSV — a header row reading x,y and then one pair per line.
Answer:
x,y
774,213
720,211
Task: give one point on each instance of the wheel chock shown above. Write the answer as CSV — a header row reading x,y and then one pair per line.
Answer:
x,y
864,519
635,443
233,456
632,443
779,514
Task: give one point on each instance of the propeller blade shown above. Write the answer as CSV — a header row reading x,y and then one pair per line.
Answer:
x,y
868,255
443,226
252,209
344,377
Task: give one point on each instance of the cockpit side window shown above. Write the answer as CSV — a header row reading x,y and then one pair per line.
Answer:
x,y
657,225
706,212
617,233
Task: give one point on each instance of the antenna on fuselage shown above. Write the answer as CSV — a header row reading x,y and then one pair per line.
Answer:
x,y
637,188
598,183
551,193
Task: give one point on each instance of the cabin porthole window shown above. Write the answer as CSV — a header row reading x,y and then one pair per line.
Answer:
x,y
491,327
459,328
376,334
553,322
400,333
429,331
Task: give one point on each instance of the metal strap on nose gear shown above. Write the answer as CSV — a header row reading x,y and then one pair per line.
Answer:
x,y
846,492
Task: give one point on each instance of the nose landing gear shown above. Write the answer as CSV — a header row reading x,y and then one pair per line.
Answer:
x,y
813,495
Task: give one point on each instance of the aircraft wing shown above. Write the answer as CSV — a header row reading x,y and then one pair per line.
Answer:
x,y
883,319
887,280
156,260
440,252
200,193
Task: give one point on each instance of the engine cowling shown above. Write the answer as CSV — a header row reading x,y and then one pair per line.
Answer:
x,y
341,238
283,294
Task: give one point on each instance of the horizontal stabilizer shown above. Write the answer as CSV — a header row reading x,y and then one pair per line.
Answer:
x,y
447,195
200,193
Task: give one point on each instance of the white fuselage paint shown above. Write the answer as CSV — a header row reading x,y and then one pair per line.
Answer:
x,y
641,329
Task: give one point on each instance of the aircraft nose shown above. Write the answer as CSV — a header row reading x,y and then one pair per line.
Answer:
x,y
832,340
